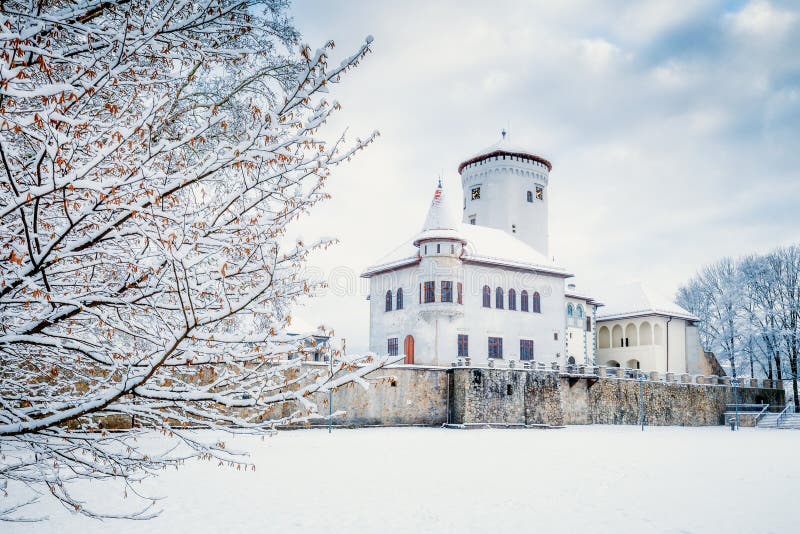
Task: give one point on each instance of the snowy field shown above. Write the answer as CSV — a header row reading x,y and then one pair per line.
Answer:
x,y
579,479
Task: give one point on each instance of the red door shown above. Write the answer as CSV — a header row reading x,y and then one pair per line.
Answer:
x,y
408,349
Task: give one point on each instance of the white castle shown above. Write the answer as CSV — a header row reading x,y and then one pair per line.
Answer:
x,y
486,288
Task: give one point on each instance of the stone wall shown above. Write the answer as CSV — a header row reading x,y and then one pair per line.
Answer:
x,y
476,396
397,396
616,401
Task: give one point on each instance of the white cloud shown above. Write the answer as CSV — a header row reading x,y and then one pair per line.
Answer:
x,y
761,20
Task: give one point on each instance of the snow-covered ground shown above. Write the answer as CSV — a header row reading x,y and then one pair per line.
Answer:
x,y
579,479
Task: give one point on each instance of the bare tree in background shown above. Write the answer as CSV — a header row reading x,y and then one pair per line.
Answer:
x,y
153,154
750,311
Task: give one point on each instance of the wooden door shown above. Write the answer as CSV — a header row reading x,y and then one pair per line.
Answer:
x,y
408,349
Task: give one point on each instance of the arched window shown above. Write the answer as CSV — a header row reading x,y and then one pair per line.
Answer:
x,y
580,311
512,299
523,301
570,310
487,297
498,298
399,299
389,300
537,303
530,196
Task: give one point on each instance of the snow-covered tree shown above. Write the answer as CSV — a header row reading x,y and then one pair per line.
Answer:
x,y
750,311
152,155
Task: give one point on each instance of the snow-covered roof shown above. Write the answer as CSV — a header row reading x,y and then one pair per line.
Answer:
x,y
634,300
482,244
504,146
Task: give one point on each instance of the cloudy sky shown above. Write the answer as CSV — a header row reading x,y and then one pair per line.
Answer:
x,y
673,128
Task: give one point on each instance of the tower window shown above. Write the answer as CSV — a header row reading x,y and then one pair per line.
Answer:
x,y
487,297
476,193
399,299
438,248
523,301
539,192
530,196
496,347
392,346
512,299
463,345
447,291
388,301
498,298
429,292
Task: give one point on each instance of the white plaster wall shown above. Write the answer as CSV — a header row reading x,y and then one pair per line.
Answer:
x,y
580,342
435,326
504,185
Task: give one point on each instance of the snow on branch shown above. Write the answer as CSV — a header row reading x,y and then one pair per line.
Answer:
x,y
152,156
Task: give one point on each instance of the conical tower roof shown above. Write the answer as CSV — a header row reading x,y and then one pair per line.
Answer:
x,y
442,221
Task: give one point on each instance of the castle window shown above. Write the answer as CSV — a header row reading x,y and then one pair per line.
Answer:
x,y
509,389
526,349
498,298
512,299
452,248
399,299
513,228
537,303
530,196
539,192
555,336
588,324
496,347
438,248
487,297
463,345
388,301
447,291
580,311
570,310
473,219
476,193
523,301
430,292
460,297
426,249
392,346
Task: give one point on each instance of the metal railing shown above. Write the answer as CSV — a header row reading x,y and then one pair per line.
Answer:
x,y
781,416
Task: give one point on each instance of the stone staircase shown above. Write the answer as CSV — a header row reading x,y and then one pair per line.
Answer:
x,y
789,420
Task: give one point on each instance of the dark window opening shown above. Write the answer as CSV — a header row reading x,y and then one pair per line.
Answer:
x,y
392,346
537,303
496,347
460,293
526,349
429,292
388,301
530,196
523,301
512,299
399,299
447,291
487,297
463,345
498,298
509,389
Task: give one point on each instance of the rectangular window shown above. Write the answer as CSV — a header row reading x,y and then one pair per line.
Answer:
x,y
438,248
429,292
555,336
447,291
526,349
463,345
588,324
473,219
496,347
460,293
392,346
539,192
476,193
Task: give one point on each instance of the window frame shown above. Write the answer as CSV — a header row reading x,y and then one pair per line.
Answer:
x,y
446,291
499,298
512,299
487,297
495,348
399,299
523,301
463,345
429,288
388,301
392,346
536,306
526,350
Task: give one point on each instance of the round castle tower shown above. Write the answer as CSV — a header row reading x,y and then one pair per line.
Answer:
x,y
505,187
